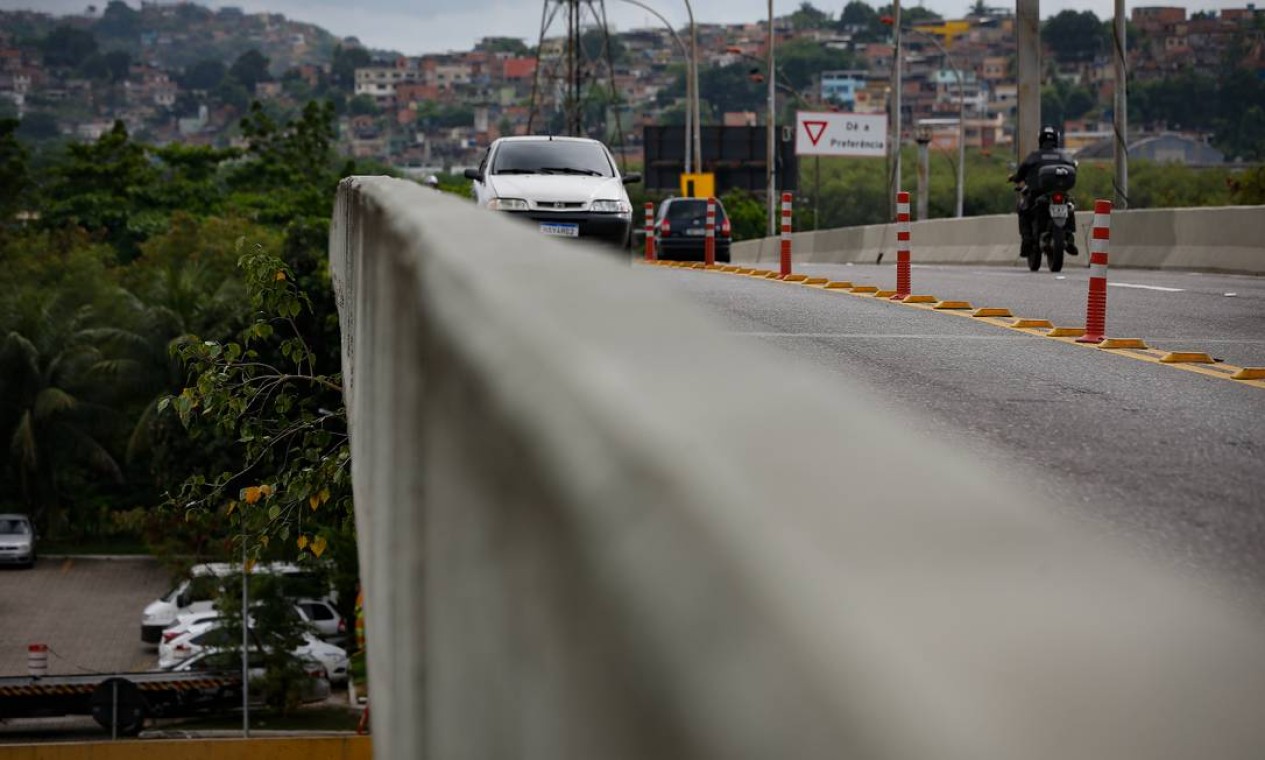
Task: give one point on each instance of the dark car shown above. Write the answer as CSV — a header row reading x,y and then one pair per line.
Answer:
x,y
680,230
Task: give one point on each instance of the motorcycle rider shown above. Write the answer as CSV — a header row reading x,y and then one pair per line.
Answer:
x,y
1047,153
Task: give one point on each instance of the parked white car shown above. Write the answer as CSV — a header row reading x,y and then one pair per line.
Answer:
x,y
17,540
564,186
200,587
211,634
316,689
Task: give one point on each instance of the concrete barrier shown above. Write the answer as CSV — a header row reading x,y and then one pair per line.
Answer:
x,y
1197,239
593,525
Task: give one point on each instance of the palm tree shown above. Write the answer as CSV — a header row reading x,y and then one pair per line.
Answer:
x,y
50,414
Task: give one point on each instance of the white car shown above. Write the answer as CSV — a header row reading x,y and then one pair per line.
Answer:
x,y
210,634
315,689
17,540
200,587
564,186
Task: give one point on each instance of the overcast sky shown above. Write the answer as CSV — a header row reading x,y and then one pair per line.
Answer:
x,y
414,27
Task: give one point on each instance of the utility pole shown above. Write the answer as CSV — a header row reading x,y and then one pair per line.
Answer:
x,y
1028,49
1120,116
922,136
772,135
893,139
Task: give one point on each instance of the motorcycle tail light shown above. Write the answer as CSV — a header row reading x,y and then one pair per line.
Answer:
x,y
1058,197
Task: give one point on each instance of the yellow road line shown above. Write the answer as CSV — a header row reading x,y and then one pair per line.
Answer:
x,y
1188,361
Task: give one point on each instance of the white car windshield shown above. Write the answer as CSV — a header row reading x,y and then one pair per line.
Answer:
x,y
552,157
11,527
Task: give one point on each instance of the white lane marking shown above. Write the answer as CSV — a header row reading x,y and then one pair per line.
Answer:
x,y
1144,287
757,334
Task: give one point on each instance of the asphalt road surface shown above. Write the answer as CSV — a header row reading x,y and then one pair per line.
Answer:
x,y
1171,460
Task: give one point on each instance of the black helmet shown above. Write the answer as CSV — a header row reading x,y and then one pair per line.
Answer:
x,y
1049,137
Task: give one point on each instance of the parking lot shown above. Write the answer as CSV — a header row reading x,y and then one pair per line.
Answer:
x,y
88,612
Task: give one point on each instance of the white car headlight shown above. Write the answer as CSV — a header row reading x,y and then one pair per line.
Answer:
x,y
507,204
611,207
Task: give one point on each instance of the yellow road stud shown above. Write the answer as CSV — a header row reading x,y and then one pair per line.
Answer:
x,y
1186,357
986,312
920,299
839,285
1066,332
816,281
953,305
1249,373
864,289
1122,343
884,293
795,278
1029,324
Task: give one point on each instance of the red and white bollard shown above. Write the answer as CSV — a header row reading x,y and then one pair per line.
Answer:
x,y
902,246
1096,308
649,231
786,234
709,229
37,660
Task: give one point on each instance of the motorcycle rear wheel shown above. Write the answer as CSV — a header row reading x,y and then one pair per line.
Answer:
x,y
1057,244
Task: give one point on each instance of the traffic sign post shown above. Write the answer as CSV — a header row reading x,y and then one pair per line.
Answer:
x,y
860,135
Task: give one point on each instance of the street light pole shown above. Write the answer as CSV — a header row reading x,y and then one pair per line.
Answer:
x,y
695,112
957,70
771,161
894,103
688,78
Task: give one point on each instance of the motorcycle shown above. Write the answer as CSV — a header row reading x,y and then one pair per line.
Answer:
x,y
1051,215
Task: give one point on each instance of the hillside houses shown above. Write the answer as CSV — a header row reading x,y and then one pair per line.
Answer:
x,y
438,111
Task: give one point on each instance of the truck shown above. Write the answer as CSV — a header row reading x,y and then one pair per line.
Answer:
x,y
120,702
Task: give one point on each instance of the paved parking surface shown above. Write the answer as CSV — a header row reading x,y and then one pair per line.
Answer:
x,y
88,611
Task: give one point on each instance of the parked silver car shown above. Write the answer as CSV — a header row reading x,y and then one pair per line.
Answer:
x,y
17,540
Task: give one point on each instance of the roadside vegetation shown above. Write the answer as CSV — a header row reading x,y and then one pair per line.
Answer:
x,y
169,345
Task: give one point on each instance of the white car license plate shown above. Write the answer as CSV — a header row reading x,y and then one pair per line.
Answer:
x,y
1058,210
697,231
560,229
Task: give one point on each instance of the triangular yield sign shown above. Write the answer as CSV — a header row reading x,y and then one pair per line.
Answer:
x,y
815,130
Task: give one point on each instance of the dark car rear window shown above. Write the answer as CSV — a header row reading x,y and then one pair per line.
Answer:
x,y
552,156
691,209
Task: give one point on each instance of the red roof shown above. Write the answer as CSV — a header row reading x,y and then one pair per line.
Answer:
x,y
520,68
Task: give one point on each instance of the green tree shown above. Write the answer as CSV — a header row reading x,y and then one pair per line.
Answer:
x,y
15,179
67,47
511,45
265,390
38,126
809,17
50,411
119,21
110,67
1074,36
204,75
1062,102
275,631
249,69
594,42
365,105
862,21
344,64
101,187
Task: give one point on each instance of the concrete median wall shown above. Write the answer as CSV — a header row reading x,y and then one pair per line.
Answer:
x,y
593,525
1200,239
